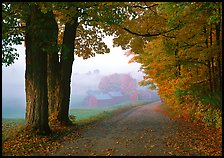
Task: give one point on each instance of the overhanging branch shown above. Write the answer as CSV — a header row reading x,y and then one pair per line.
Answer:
x,y
149,34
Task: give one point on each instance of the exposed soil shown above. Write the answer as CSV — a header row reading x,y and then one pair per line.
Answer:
x,y
139,131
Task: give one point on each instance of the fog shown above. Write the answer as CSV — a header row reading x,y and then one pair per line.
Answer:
x,y
86,76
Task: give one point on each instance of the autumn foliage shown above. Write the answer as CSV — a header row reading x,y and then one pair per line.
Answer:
x,y
185,63
118,82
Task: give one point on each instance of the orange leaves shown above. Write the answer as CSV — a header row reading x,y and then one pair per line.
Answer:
x,y
133,59
128,53
56,12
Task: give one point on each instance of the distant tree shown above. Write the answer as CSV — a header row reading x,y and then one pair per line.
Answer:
x,y
118,82
96,71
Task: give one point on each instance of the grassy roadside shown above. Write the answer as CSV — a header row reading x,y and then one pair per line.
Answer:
x,y
18,142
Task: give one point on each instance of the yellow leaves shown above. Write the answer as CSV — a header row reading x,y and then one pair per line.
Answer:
x,y
110,3
137,45
45,6
155,47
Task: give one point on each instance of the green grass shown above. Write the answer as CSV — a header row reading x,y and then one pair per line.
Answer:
x,y
13,120
11,126
86,113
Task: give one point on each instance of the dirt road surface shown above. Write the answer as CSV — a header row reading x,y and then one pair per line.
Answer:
x,y
138,131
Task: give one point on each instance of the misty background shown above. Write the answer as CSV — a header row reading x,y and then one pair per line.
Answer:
x,y
86,76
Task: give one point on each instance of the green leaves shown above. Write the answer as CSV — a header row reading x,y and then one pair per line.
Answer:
x,y
9,54
12,34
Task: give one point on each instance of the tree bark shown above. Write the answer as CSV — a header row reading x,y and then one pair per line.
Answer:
x,y
67,59
53,74
213,76
219,59
209,62
53,83
178,69
59,79
36,72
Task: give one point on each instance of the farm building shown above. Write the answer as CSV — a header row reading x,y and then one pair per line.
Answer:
x,y
117,97
134,96
97,98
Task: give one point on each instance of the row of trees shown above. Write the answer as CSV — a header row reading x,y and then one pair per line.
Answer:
x,y
186,63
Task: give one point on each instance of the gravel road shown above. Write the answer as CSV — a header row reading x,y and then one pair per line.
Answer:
x,y
139,131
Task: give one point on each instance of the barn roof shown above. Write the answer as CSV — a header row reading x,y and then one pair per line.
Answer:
x,y
101,96
115,94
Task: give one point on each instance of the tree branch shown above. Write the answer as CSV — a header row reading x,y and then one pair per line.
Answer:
x,y
199,82
148,34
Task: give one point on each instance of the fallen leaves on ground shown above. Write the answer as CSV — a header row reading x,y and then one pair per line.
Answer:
x,y
26,143
193,137
109,151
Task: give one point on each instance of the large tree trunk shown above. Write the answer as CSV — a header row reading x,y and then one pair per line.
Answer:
x,y
219,46
36,72
213,76
67,59
53,75
178,73
53,84
209,63
59,79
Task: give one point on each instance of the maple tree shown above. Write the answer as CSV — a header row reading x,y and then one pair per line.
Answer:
x,y
185,63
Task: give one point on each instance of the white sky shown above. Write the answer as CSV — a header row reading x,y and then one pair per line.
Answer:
x,y
113,62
